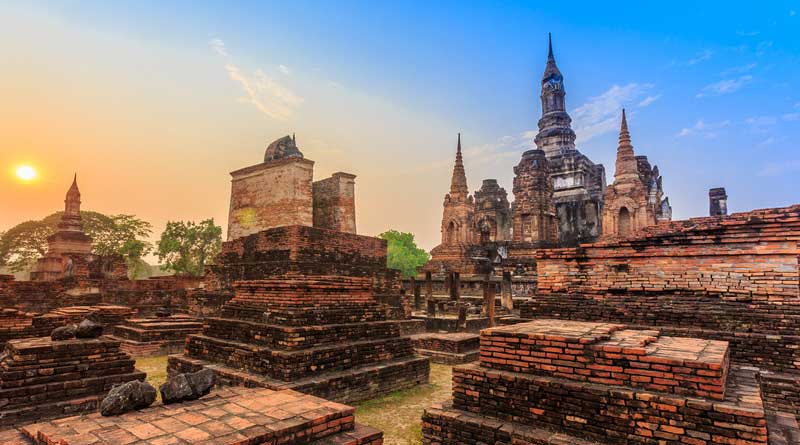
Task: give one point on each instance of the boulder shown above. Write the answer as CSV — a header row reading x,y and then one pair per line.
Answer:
x,y
89,329
128,397
189,386
63,333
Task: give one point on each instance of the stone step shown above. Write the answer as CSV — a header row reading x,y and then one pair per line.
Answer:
x,y
292,365
352,385
442,424
228,416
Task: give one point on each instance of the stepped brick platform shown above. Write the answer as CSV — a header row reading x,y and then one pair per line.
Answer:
x,y
230,416
16,324
449,348
41,378
107,315
552,381
323,335
156,336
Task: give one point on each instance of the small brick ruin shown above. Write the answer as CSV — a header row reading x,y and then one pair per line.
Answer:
x,y
555,381
143,337
447,348
231,416
42,379
322,335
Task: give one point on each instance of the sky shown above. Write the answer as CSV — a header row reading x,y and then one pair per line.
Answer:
x,y
154,103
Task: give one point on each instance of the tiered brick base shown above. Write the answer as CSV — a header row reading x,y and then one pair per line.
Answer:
x,y
551,381
231,416
156,336
41,379
106,314
449,349
322,335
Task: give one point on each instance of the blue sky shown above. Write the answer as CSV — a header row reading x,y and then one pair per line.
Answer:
x,y
381,88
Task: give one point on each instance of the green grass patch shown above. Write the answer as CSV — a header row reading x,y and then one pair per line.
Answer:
x,y
156,369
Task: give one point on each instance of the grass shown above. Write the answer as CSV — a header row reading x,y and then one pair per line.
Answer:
x,y
398,415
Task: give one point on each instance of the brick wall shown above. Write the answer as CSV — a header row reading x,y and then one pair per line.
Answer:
x,y
335,203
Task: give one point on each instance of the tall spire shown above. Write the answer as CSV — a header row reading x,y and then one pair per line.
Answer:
x,y
626,166
550,46
72,202
551,70
458,184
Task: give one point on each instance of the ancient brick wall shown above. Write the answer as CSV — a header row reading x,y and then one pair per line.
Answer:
x,y
335,203
272,194
749,253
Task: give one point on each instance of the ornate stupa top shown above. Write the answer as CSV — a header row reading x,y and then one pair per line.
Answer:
x,y
283,148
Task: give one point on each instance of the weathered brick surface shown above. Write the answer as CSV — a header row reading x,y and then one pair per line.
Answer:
x,y
226,417
155,336
335,203
41,379
448,348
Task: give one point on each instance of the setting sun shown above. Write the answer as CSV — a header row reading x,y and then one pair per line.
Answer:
x,y
26,172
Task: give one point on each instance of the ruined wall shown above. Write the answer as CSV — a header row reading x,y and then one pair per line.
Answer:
x,y
272,194
747,253
335,203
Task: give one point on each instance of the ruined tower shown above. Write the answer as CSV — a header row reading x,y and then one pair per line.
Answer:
x,y
578,182
635,199
717,202
492,212
534,212
69,248
458,216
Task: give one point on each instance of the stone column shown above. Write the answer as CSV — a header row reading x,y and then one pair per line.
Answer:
x,y
488,299
431,308
506,299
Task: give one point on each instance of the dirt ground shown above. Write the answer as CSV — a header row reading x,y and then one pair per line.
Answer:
x,y
398,414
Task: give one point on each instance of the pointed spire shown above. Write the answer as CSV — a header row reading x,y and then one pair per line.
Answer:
x,y
294,139
458,184
72,202
550,46
626,165
551,70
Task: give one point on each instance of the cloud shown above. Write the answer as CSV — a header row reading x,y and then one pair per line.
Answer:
x,y
706,130
285,69
601,113
648,100
700,57
777,169
218,46
739,69
791,117
503,148
726,86
260,90
762,47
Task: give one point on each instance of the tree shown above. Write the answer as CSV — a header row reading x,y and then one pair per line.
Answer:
x,y
403,253
123,235
186,247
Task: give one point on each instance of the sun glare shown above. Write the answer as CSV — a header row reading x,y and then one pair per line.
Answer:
x,y
26,173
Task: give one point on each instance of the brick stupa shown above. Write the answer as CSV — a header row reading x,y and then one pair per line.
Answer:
x,y
566,382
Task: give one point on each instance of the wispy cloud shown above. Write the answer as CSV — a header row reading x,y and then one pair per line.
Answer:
x,y
762,47
648,100
739,69
601,113
285,70
704,129
767,142
503,148
761,123
726,86
778,169
791,117
260,90
218,46
700,57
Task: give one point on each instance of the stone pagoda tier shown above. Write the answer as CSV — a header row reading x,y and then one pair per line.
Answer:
x,y
231,416
44,379
322,335
567,382
156,335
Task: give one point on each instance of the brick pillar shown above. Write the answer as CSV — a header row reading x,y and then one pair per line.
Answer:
x,y
462,317
506,299
455,294
488,300
417,300
431,307
428,286
448,283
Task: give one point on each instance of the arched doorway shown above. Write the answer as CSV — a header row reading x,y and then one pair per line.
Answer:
x,y
624,222
451,233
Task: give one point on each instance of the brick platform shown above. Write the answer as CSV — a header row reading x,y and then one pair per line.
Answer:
x,y
322,335
226,417
449,349
41,379
106,314
543,382
156,336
